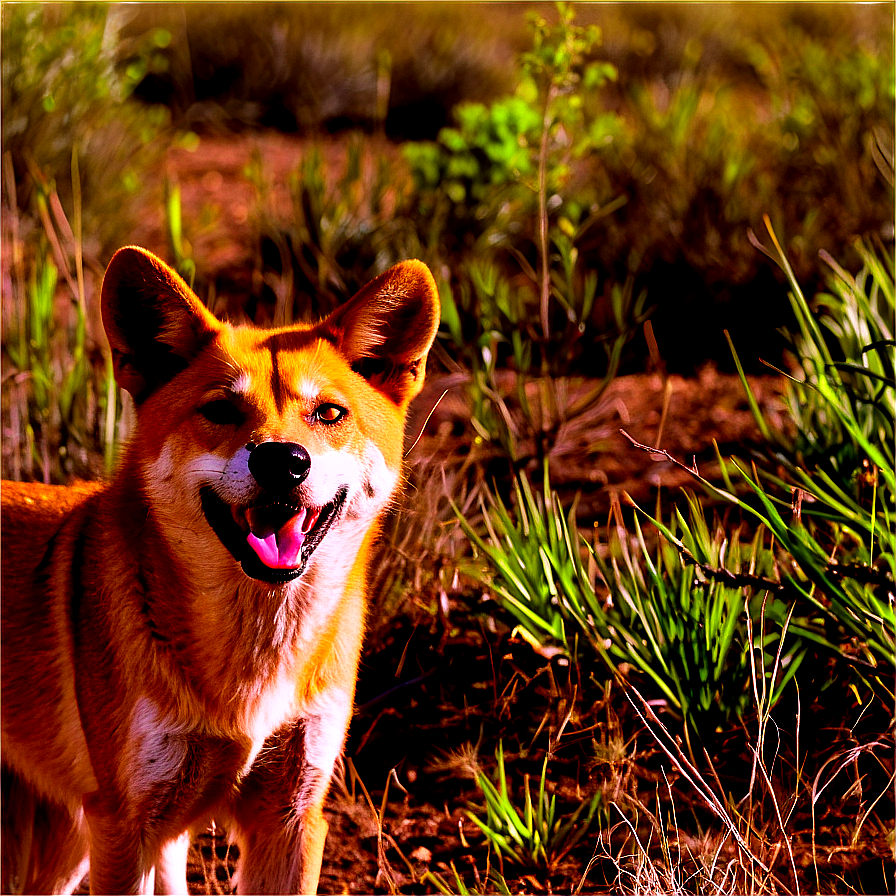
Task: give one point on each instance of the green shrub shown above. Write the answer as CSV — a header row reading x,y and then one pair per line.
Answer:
x,y
676,614
699,612
829,495
794,117
507,160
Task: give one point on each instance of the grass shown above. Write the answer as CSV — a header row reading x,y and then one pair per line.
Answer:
x,y
61,405
674,614
64,98
721,630
841,461
537,836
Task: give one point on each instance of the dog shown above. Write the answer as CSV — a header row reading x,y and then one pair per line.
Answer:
x,y
182,643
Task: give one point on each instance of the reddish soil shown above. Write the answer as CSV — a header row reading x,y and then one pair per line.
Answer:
x,y
230,183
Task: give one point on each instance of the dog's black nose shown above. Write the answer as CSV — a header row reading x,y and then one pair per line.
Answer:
x,y
279,466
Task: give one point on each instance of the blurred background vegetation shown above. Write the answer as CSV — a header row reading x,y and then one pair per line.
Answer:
x,y
677,129
716,116
609,189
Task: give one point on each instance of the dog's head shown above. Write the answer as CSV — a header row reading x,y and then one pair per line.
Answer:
x,y
262,442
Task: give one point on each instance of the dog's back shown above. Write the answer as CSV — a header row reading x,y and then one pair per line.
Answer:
x,y
42,822
43,530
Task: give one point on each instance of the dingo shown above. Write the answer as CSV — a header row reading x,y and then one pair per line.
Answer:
x,y
183,642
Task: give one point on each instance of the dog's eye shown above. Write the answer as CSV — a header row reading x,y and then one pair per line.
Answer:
x,y
329,413
222,412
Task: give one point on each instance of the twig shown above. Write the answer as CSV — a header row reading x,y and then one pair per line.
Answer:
x,y
543,216
859,572
662,451
732,579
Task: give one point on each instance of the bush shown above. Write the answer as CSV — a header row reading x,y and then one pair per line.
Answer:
x,y
702,615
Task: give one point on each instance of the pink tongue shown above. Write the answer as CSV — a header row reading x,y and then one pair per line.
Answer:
x,y
280,549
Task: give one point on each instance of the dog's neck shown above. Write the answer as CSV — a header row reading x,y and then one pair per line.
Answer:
x,y
213,628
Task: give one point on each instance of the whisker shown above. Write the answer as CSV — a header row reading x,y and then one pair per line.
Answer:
x,y
422,428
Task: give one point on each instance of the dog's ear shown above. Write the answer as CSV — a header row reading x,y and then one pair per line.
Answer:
x,y
154,322
386,330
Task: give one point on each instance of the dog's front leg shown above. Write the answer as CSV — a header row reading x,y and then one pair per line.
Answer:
x,y
278,816
281,856
171,866
118,860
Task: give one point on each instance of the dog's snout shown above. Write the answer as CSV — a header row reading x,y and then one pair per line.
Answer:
x,y
279,466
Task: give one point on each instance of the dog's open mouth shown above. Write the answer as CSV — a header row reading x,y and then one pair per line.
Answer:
x,y
271,539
